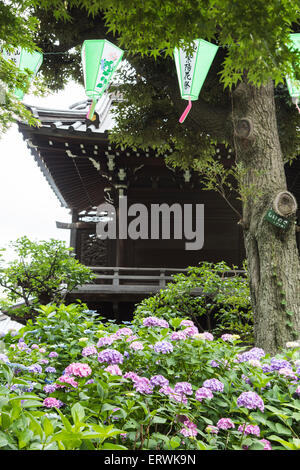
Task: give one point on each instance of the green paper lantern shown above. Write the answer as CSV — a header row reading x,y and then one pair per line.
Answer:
x,y
293,84
100,58
24,59
192,69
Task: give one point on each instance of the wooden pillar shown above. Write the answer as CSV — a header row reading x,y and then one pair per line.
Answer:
x,y
120,247
73,232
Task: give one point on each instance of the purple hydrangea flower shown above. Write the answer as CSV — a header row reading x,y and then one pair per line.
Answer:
x,y
214,364
214,385
266,368
277,364
251,401
49,388
254,353
50,370
106,340
159,380
53,354
89,351
155,321
225,423
131,375
163,347
4,358
111,356
183,387
288,373
35,368
202,393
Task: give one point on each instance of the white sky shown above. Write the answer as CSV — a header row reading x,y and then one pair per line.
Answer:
x,y
28,205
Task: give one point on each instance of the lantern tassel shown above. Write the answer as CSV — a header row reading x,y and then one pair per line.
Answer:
x,y
90,114
186,112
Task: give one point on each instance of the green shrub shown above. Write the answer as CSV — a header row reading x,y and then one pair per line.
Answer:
x,y
42,272
108,397
222,303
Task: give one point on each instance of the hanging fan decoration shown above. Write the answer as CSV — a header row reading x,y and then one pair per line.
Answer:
x,y
100,58
24,59
192,69
293,84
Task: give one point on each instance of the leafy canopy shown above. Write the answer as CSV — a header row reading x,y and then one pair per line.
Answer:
x,y
41,272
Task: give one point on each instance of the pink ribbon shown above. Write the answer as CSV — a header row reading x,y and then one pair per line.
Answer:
x,y
185,112
91,110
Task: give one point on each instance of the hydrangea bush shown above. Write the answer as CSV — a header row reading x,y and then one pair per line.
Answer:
x,y
71,380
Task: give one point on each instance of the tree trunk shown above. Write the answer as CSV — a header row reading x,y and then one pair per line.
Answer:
x,y
273,259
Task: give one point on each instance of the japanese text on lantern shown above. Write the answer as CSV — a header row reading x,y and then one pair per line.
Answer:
x,y
187,73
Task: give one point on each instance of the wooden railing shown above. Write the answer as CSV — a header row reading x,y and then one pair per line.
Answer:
x,y
129,280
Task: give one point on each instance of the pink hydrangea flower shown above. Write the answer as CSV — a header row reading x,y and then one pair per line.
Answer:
x,y
131,338
106,340
123,332
249,429
79,369
143,385
187,323
67,379
191,331
51,402
190,430
202,393
206,336
212,429
267,444
131,375
136,345
183,387
113,369
225,423
178,335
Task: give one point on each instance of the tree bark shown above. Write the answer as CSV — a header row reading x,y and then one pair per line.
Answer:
x,y
273,259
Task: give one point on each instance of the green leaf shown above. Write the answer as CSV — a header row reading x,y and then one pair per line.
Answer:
x,y
3,439
282,429
286,444
110,446
48,426
78,413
